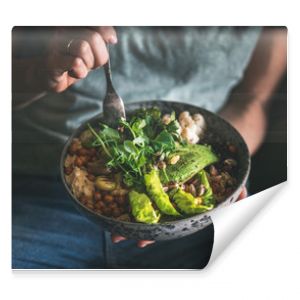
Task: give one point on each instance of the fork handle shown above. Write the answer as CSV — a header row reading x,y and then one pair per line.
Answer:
x,y
107,70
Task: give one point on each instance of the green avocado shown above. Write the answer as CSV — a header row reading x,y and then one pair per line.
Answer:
x,y
158,195
193,158
190,205
142,208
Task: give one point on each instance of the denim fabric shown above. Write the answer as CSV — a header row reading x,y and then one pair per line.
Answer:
x,y
48,232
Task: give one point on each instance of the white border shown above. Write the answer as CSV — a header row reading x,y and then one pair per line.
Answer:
x,y
262,262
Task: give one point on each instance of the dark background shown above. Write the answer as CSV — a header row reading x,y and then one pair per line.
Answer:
x,y
269,164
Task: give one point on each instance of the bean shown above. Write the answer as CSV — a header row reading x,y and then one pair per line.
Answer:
x,y
120,199
91,177
68,170
99,205
92,151
192,190
108,198
97,196
230,162
116,212
78,161
232,148
74,147
213,171
83,152
84,199
201,190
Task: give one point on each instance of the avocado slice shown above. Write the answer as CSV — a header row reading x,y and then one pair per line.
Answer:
x,y
190,205
158,195
193,158
142,208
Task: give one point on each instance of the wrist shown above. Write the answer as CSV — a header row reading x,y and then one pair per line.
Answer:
x,y
250,122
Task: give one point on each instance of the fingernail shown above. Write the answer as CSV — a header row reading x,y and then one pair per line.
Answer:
x,y
118,239
112,39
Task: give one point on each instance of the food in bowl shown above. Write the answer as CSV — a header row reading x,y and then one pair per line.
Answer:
x,y
151,169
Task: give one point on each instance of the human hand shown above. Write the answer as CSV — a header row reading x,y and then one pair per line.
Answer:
x,y
144,243
72,53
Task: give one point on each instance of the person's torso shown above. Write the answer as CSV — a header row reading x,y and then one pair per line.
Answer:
x,y
198,65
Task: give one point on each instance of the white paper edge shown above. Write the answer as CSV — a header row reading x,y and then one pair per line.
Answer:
x,y
229,221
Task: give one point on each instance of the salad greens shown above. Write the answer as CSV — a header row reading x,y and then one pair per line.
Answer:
x,y
145,138
139,149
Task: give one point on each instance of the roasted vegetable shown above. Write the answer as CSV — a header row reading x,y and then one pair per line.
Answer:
x,y
142,209
158,195
87,138
193,158
105,184
190,205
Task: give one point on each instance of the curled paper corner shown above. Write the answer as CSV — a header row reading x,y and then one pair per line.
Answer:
x,y
231,220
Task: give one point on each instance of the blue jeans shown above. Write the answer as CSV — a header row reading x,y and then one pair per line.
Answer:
x,y
48,232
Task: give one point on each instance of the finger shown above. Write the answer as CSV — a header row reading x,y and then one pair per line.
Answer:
x,y
56,71
144,243
82,49
108,33
243,194
92,37
117,238
78,68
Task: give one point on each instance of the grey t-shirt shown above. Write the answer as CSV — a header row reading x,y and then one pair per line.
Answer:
x,y
198,65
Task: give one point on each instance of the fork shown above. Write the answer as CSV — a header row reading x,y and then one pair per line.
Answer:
x,y
113,106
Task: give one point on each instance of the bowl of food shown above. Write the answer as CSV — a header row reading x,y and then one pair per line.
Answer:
x,y
160,174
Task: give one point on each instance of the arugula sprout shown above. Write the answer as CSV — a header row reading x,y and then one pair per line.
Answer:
x,y
135,150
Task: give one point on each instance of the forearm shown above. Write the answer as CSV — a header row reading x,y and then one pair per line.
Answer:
x,y
248,103
251,122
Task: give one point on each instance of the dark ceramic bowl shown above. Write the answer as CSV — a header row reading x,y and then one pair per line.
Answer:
x,y
218,132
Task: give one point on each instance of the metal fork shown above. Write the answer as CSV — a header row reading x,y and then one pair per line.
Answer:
x,y
113,106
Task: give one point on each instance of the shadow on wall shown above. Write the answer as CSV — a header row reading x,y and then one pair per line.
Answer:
x,y
269,164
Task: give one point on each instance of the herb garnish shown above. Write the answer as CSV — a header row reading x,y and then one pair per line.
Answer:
x,y
145,139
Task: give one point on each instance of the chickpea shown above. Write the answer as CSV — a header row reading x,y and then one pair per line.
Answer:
x,y
116,212
120,200
79,161
108,198
83,152
74,147
97,196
